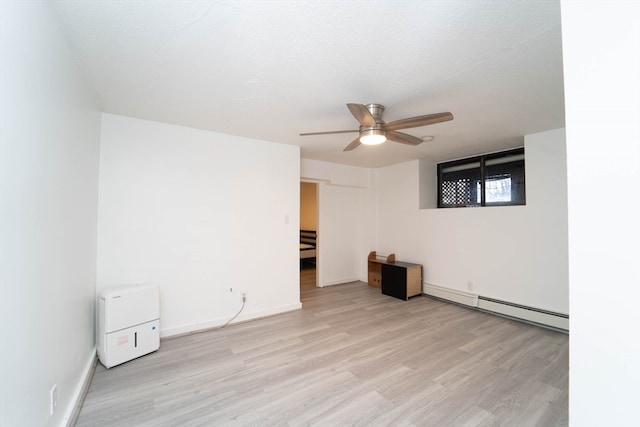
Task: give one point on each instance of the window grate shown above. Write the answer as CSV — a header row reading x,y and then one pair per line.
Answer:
x,y
457,192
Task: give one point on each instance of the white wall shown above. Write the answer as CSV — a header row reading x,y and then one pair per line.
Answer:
x,y
346,220
335,174
199,213
513,253
49,181
340,231
602,93
399,229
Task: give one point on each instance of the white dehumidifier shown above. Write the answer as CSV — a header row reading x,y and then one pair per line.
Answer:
x,y
128,323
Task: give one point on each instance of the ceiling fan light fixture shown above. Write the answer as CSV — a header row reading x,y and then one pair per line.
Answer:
x,y
372,136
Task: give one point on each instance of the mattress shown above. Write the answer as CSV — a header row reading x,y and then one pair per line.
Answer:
x,y
307,251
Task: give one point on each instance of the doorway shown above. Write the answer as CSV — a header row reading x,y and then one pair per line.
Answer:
x,y
308,223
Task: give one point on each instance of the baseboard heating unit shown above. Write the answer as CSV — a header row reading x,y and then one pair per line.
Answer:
x,y
535,315
460,297
503,308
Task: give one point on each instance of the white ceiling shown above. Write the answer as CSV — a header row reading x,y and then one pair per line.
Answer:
x,y
273,69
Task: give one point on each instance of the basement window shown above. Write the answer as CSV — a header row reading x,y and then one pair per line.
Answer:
x,y
496,179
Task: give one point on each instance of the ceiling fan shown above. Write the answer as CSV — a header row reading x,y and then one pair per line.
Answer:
x,y
373,130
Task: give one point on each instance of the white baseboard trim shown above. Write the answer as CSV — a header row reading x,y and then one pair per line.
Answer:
x,y
461,297
73,411
338,282
213,323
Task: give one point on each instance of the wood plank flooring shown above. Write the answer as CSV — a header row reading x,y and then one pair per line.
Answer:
x,y
351,356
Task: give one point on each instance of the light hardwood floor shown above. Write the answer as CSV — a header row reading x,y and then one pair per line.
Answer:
x,y
351,356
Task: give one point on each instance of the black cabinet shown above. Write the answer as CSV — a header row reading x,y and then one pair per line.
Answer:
x,y
401,279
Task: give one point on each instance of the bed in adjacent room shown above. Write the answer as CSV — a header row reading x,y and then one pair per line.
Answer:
x,y
308,240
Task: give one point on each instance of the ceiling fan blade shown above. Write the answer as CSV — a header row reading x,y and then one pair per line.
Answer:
x,y
354,144
403,138
362,115
414,122
330,132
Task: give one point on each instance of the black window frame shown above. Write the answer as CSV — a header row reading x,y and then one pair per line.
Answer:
x,y
475,168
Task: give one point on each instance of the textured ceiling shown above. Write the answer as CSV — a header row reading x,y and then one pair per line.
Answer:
x,y
273,69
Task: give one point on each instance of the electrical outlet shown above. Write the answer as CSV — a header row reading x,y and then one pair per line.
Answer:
x,y
53,399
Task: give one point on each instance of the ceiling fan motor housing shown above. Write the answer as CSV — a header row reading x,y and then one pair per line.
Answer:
x,y
376,111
